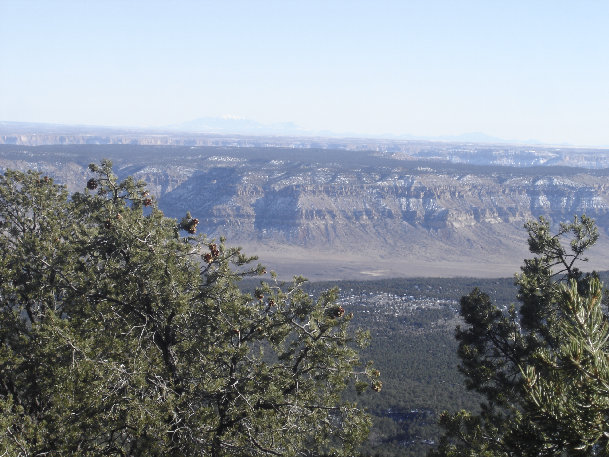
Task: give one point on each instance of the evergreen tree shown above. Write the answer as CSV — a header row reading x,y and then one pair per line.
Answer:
x,y
543,369
124,333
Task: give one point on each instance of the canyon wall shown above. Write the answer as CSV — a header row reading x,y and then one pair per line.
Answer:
x,y
343,202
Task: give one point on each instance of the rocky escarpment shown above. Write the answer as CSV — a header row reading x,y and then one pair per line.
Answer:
x,y
343,202
338,206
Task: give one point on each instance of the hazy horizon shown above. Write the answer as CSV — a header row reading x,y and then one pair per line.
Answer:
x,y
518,71
276,130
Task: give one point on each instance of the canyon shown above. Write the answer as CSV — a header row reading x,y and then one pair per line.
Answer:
x,y
338,213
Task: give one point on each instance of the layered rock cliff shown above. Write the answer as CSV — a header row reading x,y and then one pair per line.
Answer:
x,y
343,203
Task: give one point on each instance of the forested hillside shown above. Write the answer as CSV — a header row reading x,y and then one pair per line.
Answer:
x,y
412,323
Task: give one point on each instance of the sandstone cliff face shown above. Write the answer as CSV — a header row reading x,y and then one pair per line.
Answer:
x,y
351,203
309,201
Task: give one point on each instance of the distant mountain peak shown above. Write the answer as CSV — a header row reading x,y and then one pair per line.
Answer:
x,y
232,116
234,124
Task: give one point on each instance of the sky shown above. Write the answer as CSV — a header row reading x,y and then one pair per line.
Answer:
x,y
516,70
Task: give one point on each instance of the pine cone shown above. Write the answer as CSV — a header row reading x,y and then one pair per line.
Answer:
x,y
92,184
335,312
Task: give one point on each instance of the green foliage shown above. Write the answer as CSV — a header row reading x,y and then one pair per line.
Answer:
x,y
569,387
543,371
122,332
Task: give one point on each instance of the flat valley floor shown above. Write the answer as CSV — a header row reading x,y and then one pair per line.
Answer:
x,y
316,265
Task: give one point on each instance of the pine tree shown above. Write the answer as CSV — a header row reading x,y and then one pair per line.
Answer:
x,y
123,332
568,388
541,369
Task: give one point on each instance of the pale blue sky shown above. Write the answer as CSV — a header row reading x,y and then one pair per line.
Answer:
x,y
512,69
